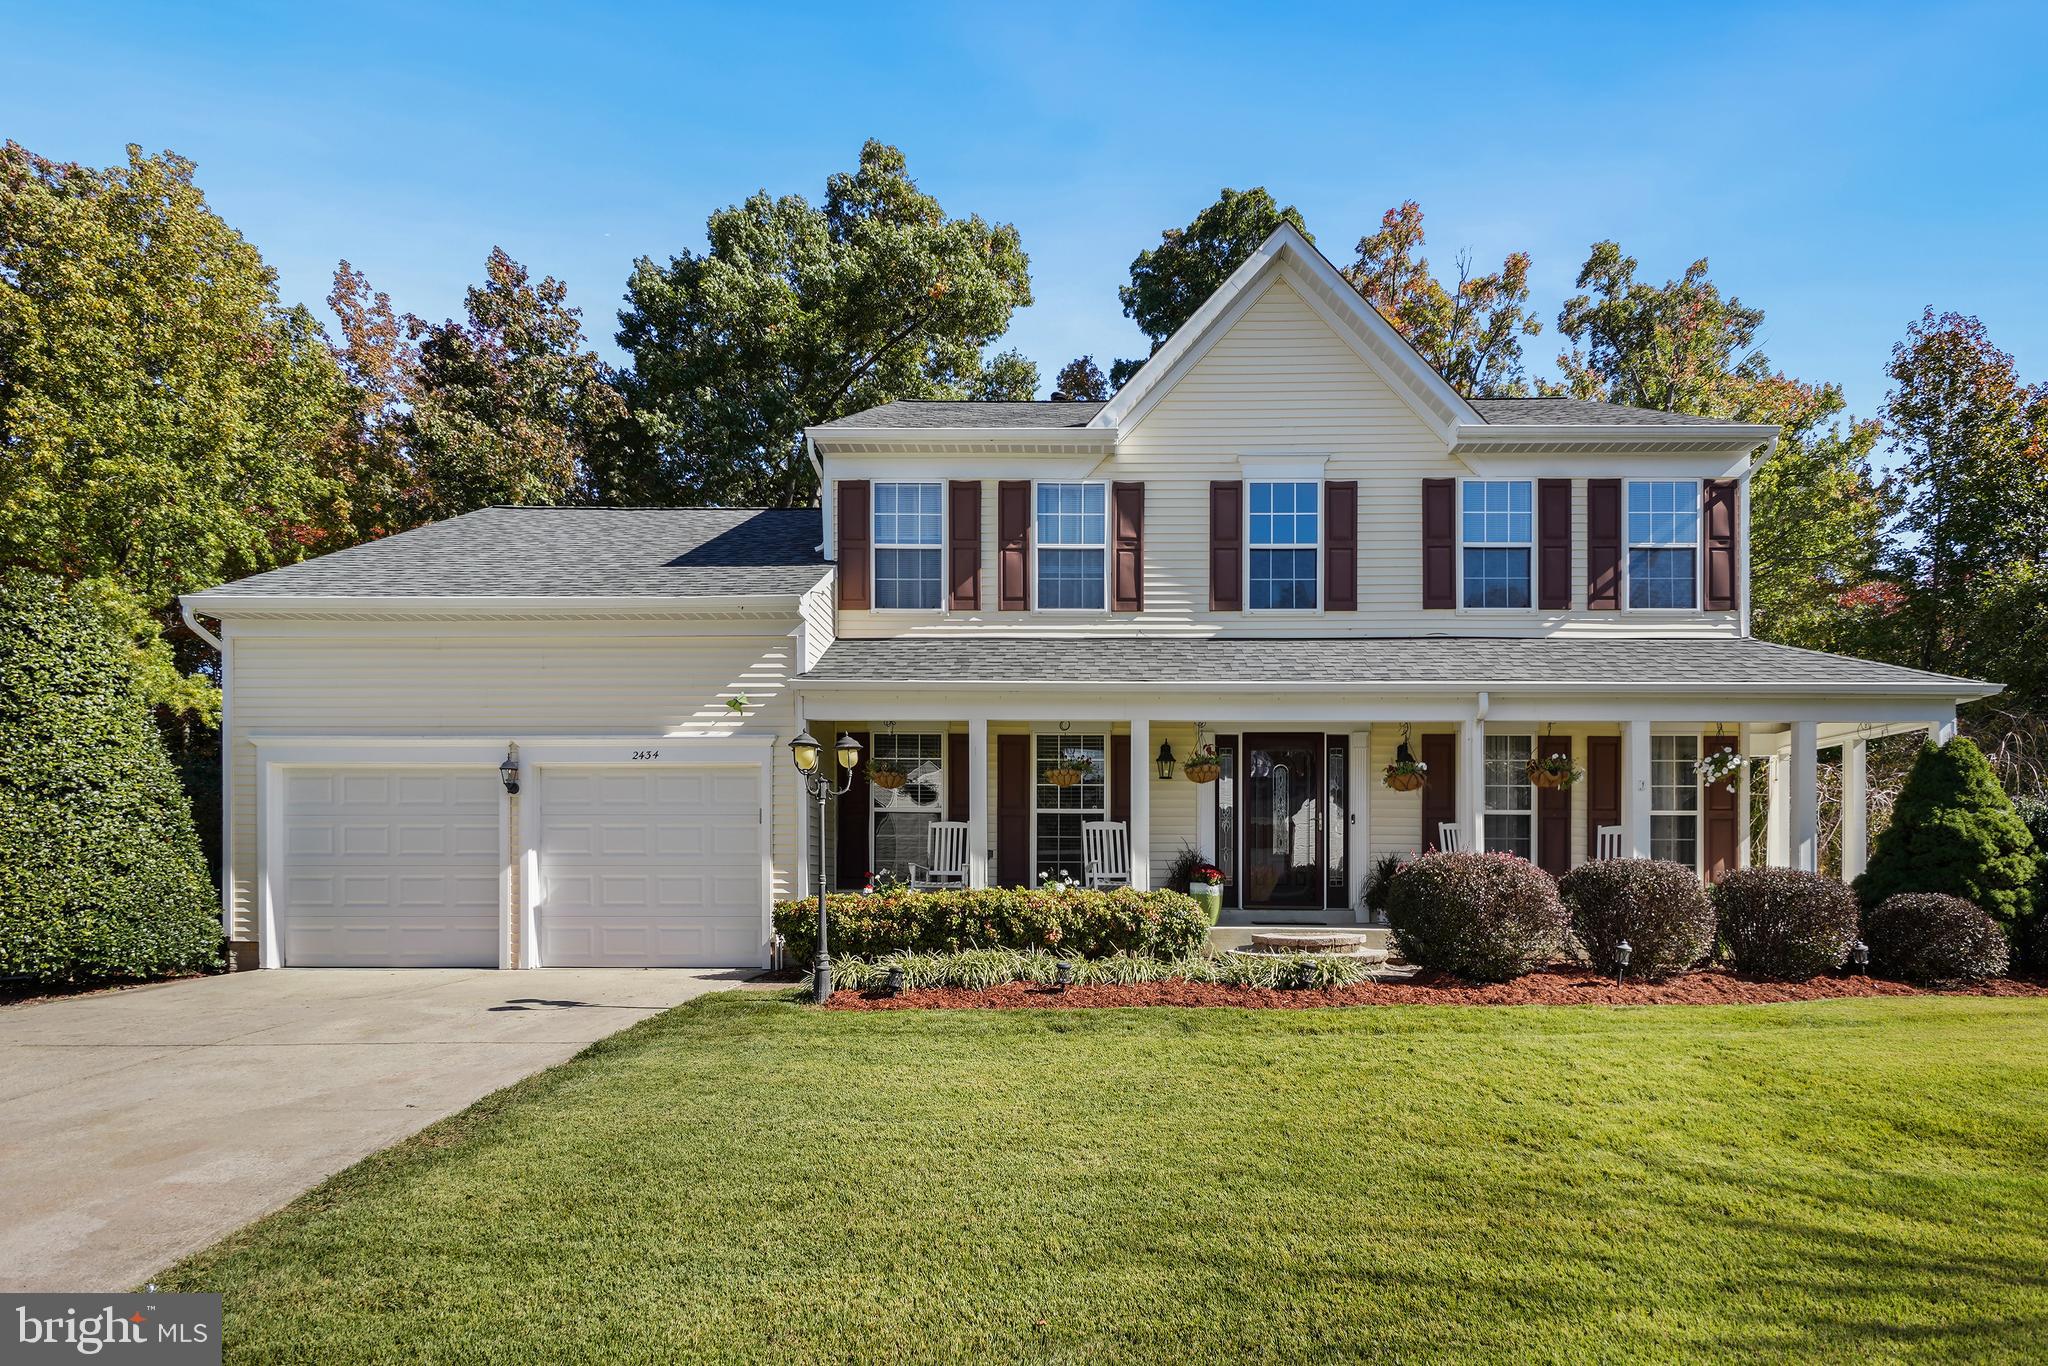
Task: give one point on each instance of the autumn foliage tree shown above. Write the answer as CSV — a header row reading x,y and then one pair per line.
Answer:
x,y
1081,378
1472,331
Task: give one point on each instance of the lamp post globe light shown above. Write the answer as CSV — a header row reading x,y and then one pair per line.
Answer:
x,y
806,753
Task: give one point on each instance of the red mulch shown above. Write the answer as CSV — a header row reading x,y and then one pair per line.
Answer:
x,y
1554,986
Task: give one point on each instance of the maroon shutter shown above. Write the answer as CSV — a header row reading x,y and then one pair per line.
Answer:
x,y
1439,545
1340,545
1128,568
1554,544
1120,778
1722,829
1554,815
1013,545
1440,791
957,776
1013,810
1226,546
853,524
852,821
1603,545
1603,787
1720,546
963,544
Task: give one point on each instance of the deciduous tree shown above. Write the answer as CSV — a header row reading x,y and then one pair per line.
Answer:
x,y
1080,378
1471,332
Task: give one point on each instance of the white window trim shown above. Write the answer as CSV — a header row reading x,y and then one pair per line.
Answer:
x,y
1699,800
1083,730
875,549
1276,474
938,811
1529,545
1699,567
1038,545
1485,810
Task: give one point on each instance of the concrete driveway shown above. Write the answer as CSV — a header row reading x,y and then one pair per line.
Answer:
x,y
144,1124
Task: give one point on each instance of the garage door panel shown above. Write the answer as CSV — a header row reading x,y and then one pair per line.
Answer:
x,y
395,867
650,868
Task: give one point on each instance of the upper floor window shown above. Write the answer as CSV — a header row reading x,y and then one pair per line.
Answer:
x,y
1073,535
909,533
1663,543
1499,534
1286,527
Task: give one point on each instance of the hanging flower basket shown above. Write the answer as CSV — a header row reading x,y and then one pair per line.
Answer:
x,y
884,774
1553,771
1202,766
1719,766
1407,775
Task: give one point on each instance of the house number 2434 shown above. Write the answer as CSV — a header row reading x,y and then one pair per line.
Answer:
x,y
646,754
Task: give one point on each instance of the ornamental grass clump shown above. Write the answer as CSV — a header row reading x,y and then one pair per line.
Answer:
x,y
1932,938
1059,920
1659,907
1784,923
1484,917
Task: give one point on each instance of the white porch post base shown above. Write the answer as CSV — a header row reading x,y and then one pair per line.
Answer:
x,y
1804,783
1635,787
1855,809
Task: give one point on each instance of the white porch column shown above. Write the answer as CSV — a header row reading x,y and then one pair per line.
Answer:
x,y
1141,804
1942,730
1744,855
1855,808
1472,782
1635,788
1777,814
1358,839
977,801
1802,781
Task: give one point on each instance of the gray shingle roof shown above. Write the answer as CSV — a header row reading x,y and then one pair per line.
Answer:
x,y
568,552
1421,660
1572,412
969,413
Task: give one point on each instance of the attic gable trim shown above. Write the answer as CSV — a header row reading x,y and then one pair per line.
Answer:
x,y
1333,298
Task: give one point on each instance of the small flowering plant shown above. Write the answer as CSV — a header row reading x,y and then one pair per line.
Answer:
x,y
1207,873
1554,770
1406,774
1062,881
1719,766
1203,766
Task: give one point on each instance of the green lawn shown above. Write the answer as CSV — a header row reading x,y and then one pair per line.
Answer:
x,y
746,1177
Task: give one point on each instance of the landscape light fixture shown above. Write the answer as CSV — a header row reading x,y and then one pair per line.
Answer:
x,y
508,772
1166,761
803,752
1859,958
1622,953
896,981
1063,974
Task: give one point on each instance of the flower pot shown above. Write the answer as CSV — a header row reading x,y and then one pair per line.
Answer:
x,y
1063,777
891,781
1544,778
1209,896
1204,773
1405,782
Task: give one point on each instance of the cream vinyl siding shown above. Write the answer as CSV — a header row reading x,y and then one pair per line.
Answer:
x,y
819,624
1280,383
504,679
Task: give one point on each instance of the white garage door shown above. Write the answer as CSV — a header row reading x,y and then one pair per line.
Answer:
x,y
391,867
650,867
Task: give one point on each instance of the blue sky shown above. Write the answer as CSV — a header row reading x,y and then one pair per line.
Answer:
x,y
1841,166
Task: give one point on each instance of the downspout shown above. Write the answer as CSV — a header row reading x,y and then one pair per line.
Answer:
x,y
185,611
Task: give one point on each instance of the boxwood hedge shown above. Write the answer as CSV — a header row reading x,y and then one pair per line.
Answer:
x,y
1087,924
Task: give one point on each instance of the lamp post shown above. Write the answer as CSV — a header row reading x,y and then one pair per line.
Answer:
x,y
805,753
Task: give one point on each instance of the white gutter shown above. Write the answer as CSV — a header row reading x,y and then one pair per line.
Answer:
x,y
185,611
1959,688
219,604
1615,434
1081,437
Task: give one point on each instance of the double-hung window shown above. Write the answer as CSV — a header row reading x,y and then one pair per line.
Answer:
x,y
1286,527
1073,537
1675,799
1058,813
1499,534
1663,543
909,533
1510,814
903,815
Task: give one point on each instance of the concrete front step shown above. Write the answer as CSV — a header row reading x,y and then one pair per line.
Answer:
x,y
1223,938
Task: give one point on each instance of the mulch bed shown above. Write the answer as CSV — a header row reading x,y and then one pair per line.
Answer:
x,y
1554,986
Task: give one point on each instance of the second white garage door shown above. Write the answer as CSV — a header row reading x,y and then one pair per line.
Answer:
x,y
650,867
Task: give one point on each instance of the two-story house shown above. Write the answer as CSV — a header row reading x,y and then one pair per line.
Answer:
x,y
1287,538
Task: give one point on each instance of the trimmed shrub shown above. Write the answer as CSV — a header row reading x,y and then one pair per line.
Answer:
x,y
1659,907
101,877
1933,937
980,969
1073,921
1484,917
1780,922
1954,830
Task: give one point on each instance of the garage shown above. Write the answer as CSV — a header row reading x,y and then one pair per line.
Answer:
x,y
390,867
650,866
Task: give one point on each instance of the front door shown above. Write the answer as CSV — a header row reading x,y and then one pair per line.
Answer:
x,y
1281,863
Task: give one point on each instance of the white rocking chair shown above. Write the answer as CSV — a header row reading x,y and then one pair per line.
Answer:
x,y
1450,837
1106,849
946,848
1609,842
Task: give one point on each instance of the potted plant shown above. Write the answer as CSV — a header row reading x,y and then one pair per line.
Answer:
x,y
887,773
1719,766
1203,766
1071,769
1553,771
1407,773
1205,885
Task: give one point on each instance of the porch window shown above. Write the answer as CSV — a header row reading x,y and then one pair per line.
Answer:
x,y
1059,812
1286,530
1675,799
1663,543
1510,813
903,816
909,531
1499,526
1073,534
